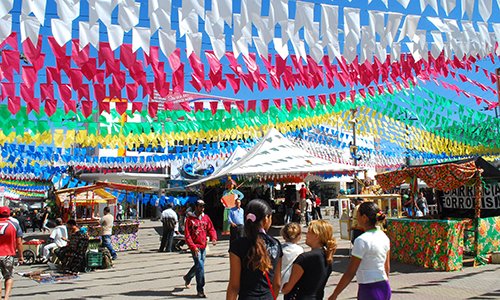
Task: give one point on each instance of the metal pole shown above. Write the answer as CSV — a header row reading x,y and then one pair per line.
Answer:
x,y
354,149
497,109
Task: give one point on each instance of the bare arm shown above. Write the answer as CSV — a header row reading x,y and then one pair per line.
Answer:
x,y
277,279
233,286
346,278
387,264
19,244
295,276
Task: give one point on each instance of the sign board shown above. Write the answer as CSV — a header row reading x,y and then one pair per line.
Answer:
x,y
460,202
464,197
150,183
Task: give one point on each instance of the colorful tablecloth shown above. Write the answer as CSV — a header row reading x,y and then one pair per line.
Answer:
x,y
489,238
436,244
124,236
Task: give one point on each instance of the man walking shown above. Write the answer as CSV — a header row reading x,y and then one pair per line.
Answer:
x,y
107,229
235,219
302,202
170,224
198,226
11,239
59,238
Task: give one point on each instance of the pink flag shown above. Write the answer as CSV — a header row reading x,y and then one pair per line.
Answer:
x,y
289,103
131,91
121,107
64,92
46,91
264,105
50,106
86,108
277,103
240,104
136,106
252,105
213,106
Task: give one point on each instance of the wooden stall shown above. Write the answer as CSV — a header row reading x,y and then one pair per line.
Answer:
x,y
439,243
86,204
389,203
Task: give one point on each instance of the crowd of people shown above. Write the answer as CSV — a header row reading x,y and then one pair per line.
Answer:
x,y
261,267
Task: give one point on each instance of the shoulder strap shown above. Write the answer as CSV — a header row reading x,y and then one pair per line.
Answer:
x,y
270,285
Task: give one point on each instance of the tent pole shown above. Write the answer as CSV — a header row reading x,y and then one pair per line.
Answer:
x,y
477,215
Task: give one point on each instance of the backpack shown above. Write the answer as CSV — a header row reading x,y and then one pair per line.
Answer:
x,y
107,260
169,223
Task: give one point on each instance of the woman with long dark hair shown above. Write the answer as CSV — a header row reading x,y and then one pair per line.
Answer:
x,y
370,258
255,260
311,269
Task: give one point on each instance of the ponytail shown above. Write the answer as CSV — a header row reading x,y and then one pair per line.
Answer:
x,y
371,210
324,231
330,248
258,257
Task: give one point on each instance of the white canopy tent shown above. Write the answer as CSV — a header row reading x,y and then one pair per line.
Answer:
x,y
276,155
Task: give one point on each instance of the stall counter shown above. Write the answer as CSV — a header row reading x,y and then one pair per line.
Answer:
x,y
436,244
124,237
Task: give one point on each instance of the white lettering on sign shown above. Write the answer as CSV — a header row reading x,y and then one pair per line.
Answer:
x,y
464,197
149,183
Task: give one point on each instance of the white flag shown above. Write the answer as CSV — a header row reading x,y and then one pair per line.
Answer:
x,y
61,31
167,41
89,35
115,36
140,39
128,15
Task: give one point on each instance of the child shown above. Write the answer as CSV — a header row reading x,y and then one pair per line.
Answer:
x,y
311,269
291,233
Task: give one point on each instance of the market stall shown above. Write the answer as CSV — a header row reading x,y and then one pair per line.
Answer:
x,y
389,203
439,243
86,204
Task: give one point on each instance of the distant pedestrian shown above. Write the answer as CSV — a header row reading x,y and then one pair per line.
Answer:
x,y
255,260
10,240
303,192
311,269
291,233
370,258
170,223
119,212
45,219
422,205
198,227
235,219
309,211
316,207
107,229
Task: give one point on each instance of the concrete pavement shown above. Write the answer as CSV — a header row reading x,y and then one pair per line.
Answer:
x,y
147,274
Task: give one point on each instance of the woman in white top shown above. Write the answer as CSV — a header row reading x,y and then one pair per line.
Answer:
x,y
291,233
370,258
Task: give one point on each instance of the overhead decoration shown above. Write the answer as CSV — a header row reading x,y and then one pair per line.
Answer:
x,y
97,73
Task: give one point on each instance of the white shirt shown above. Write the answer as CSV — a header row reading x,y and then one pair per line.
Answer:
x,y
290,253
309,206
371,247
58,234
170,213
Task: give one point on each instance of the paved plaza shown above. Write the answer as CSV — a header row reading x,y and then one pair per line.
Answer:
x,y
147,274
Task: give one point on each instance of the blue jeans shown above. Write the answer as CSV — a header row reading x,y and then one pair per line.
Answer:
x,y
106,242
198,270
